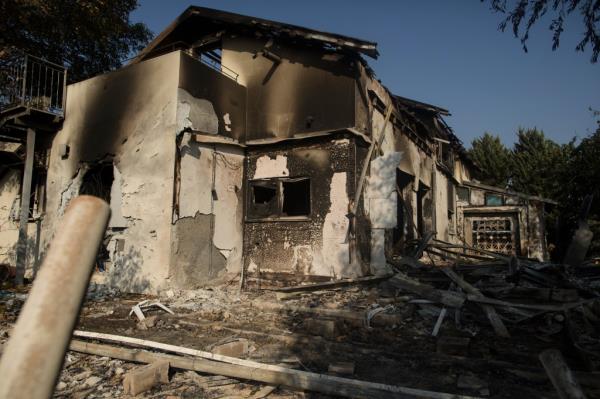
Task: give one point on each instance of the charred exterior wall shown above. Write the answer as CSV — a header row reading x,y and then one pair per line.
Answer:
x,y
315,244
209,101
302,90
525,217
126,118
207,222
10,184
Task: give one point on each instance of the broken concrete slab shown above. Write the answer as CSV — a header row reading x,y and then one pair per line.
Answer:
x,y
237,348
143,378
326,328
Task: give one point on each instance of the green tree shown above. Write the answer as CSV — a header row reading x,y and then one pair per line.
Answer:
x,y
87,36
539,163
493,158
522,15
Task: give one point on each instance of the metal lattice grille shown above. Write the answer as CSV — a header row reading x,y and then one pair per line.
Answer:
x,y
493,235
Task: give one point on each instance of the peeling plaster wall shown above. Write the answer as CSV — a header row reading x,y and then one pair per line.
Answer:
x,y
381,204
307,91
209,101
311,247
267,167
441,205
10,185
207,233
130,116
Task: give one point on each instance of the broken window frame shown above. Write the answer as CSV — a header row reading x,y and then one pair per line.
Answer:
x,y
254,215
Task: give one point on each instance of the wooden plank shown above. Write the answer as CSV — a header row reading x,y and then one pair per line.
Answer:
x,y
334,284
423,243
561,376
492,315
441,244
448,298
24,215
352,317
296,379
544,307
438,323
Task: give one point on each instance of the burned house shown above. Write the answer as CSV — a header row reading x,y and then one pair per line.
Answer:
x,y
234,145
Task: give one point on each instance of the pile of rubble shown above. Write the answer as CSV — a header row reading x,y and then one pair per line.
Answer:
x,y
447,319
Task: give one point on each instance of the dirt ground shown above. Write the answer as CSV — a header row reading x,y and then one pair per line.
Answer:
x,y
404,354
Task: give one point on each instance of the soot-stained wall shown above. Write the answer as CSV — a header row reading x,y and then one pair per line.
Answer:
x,y
209,101
315,245
307,91
207,225
127,118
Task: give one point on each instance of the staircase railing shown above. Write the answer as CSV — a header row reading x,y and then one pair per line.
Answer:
x,y
31,82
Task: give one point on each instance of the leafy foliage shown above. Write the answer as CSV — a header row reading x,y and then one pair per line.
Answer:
x,y
537,165
523,14
87,36
493,158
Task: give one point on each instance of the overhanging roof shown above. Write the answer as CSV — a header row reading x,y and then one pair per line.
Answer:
x,y
200,20
508,192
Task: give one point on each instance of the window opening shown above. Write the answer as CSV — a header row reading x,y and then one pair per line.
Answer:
x,y
279,198
494,235
296,198
263,195
98,181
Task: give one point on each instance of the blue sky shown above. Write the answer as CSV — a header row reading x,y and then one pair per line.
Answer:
x,y
448,53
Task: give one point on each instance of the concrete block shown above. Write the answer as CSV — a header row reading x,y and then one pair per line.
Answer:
x,y
236,348
143,378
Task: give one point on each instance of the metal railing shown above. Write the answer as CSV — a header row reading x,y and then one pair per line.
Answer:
x,y
29,81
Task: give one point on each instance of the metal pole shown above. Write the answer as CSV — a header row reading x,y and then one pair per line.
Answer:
x,y
33,357
25,198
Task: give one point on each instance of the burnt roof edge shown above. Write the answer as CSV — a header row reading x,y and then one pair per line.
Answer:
x,y
359,45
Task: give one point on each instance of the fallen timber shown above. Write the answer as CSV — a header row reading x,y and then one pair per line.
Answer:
x,y
274,375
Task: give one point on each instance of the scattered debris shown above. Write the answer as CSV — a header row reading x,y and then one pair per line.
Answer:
x,y
137,308
143,378
342,368
236,348
561,376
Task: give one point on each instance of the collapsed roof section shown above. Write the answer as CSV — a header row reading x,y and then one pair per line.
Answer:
x,y
195,24
430,117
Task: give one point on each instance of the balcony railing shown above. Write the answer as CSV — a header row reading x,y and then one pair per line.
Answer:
x,y
31,82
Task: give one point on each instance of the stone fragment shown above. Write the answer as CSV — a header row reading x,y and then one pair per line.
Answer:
x,y
143,378
236,348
